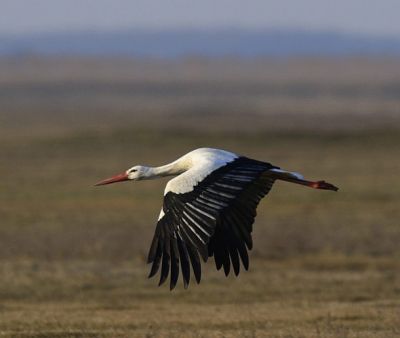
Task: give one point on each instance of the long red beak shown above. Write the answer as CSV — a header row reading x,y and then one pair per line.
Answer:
x,y
117,178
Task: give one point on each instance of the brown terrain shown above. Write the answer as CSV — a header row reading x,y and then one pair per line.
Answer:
x,y
72,256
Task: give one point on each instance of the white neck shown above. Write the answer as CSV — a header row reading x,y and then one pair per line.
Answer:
x,y
174,168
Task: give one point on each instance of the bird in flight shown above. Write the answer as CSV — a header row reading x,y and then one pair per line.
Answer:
x,y
208,210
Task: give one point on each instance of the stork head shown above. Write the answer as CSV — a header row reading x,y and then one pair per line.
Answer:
x,y
136,173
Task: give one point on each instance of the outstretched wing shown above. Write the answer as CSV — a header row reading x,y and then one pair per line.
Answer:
x,y
214,219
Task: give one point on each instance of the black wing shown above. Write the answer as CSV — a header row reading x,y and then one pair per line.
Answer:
x,y
215,219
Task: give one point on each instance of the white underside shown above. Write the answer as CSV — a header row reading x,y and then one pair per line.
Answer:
x,y
162,213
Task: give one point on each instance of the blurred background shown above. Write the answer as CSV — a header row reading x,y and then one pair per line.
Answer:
x,y
91,88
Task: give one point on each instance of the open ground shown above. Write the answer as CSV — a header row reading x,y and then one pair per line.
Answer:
x,y
72,256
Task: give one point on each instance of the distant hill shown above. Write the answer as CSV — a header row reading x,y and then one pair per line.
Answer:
x,y
216,43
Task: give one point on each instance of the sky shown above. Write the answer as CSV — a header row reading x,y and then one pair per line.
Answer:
x,y
369,17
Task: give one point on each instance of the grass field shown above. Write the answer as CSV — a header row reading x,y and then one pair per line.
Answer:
x,y
72,256
310,297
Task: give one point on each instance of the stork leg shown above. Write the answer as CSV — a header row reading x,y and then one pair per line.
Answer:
x,y
299,179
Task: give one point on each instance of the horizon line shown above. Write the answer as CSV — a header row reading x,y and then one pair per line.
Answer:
x,y
198,29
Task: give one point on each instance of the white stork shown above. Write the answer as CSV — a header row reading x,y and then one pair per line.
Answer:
x,y
208,210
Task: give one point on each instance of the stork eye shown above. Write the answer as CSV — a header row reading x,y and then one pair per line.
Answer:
x,y
132,171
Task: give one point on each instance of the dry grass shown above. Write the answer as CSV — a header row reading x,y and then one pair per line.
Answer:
x,y
49,197
72,256
312,297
